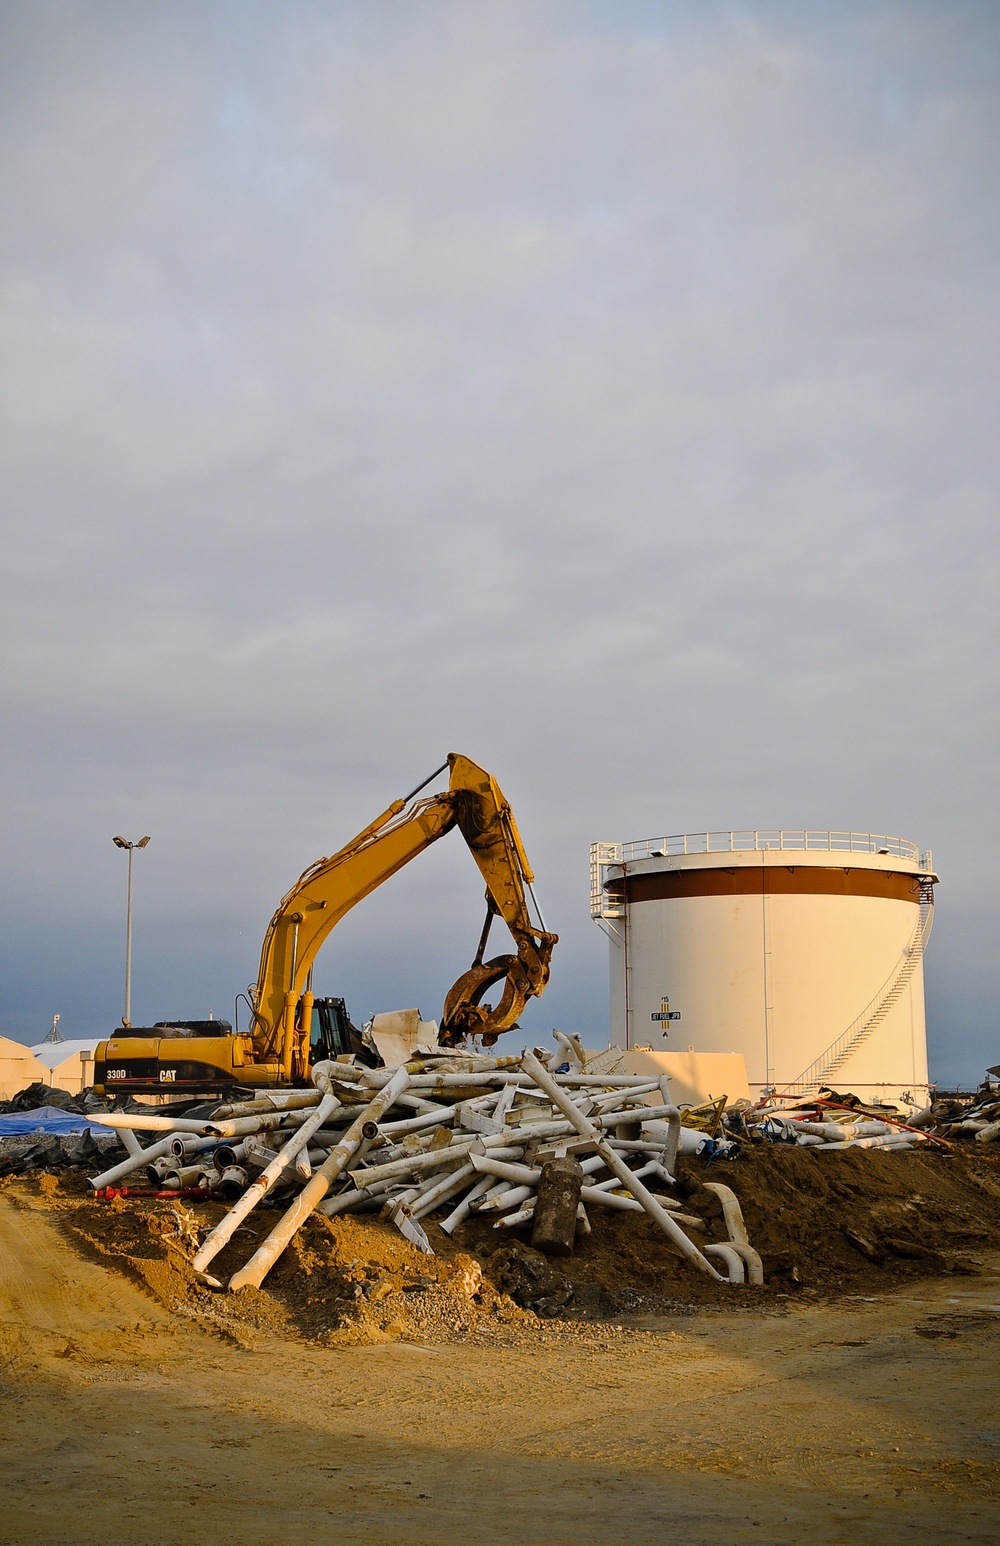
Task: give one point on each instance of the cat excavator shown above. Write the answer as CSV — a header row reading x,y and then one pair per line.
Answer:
x,y
290,1029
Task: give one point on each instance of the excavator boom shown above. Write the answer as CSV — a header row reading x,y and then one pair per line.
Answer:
x,y
276,1050
331,887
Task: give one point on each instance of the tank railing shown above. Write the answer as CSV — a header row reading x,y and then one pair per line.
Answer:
x,y
742,842
605,855
601,904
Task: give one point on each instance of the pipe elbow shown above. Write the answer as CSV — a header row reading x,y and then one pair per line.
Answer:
x,y
731,1260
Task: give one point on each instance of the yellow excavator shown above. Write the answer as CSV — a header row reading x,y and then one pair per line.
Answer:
x,y
290,1029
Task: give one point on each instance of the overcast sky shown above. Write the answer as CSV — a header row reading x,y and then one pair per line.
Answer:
x,y
604,390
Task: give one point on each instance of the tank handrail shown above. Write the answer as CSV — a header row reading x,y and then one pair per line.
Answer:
x,y
808,840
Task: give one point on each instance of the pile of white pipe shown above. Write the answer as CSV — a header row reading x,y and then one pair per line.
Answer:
x,y
979,1120
448,1136
841,1130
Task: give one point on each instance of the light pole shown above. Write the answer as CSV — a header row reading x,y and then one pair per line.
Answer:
x,y
121,842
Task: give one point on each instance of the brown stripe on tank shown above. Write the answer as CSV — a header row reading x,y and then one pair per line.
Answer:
x,y
772,880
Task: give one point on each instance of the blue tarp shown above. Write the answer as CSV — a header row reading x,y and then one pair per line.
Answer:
x,y
48,1119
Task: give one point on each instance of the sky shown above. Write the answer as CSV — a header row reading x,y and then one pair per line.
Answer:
x,y
606,391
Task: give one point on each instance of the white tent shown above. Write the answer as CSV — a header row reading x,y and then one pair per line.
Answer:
x,y
67,1065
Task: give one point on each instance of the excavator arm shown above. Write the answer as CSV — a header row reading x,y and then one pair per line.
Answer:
x,y
473,802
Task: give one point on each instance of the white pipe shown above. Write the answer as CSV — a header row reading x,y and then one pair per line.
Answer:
x,y
638,1145
344,1201
273,1100
612,1200
461,1212
752,1262
418,1104
361,1152
413,1164
140,1121
498,1188
442,1192
462,1063
895,1141
732,1259
732,1213
487,1165
653,1168
837,1130
572,1048
259,1155
534,1132
691,1140
523,1216
234,1181
443,1117
616,1098
616,1163
263,1259
988,1134
227,1226
497,1200
128,1166
673,1120
504,1103
736,1229
648,1114
241,1127
186,1175
190,1143
501,1201
430,1159
922,1118
376,1078
408,1148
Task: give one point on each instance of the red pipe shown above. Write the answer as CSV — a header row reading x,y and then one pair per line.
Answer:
x,y
189,1193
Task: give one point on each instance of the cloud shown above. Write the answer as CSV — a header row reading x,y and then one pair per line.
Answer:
x,y
602,391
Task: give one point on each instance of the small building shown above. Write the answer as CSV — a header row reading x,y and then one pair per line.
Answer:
x,y
18,1068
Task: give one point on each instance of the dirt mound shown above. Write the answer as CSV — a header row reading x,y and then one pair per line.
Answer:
x,y
342,1281
825,1225
869,1219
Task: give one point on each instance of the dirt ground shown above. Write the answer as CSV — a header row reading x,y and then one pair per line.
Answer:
x,y
376,1396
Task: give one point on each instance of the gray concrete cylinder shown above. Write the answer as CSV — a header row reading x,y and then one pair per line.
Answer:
x,y
556,1206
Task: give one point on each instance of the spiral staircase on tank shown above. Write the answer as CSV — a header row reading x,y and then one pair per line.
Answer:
x,y
873,1015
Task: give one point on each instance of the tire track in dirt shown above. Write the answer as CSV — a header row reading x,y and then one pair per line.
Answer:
x,y
50,1293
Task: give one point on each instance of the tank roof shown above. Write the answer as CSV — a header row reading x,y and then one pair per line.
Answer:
x,y
801,841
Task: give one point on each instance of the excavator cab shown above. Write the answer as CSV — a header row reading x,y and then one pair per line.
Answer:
x,y
332,1034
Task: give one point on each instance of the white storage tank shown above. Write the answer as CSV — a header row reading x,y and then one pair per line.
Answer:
x,y
801,950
